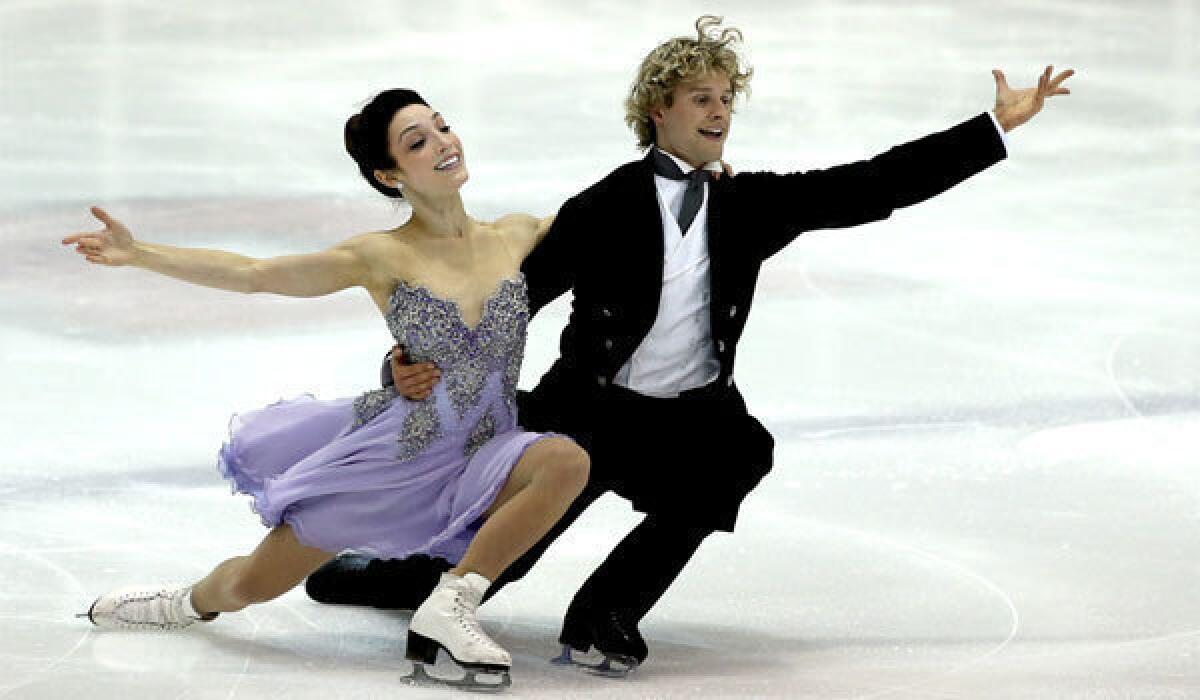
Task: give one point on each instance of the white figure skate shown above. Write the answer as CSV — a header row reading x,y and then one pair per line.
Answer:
x,y
446,620
146,608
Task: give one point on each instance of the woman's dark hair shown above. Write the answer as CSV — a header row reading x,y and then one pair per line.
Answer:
x,y
367,135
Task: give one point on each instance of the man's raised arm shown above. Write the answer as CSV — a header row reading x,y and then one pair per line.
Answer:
x,y
785,205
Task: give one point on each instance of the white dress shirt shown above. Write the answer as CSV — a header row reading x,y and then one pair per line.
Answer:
x,y
1003,136
677,353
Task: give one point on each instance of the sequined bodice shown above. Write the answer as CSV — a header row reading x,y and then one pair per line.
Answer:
x,y
471,360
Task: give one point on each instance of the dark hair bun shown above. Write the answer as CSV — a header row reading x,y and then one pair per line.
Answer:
x,y
366,135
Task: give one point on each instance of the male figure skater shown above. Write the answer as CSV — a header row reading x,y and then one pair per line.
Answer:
x,y
663,261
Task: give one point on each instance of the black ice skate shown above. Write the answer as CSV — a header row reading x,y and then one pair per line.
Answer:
x,y
446,621
391,584
612,635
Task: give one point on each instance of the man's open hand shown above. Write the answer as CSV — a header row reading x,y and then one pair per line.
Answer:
x,y
1015,107
413,382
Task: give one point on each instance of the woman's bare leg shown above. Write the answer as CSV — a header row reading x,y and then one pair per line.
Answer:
x,y
272,569
540,488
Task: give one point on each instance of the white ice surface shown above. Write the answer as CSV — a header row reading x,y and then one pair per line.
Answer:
x,y
987,408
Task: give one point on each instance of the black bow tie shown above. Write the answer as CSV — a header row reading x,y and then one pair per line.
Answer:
x,y
666,166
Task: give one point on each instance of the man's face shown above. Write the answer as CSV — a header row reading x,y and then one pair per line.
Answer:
x,y
697,123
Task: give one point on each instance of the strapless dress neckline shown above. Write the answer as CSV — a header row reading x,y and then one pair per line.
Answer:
x,y
452,304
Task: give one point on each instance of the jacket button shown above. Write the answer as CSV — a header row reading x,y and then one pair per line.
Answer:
x,y
720,346
729,380
732,311
602,380
608,343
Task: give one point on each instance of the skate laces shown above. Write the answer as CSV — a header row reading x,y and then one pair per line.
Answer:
x,y
467,620
162,608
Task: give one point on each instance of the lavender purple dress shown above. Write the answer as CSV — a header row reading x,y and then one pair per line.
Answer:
x,y
385,475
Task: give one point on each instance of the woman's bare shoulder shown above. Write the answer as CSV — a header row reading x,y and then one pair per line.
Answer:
x,y
390,246
387,254
372,240
519,231
517,222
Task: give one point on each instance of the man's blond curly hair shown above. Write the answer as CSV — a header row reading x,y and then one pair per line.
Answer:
x,y
682,60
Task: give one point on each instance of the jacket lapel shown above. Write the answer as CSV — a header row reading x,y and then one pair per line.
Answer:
x,y
643,246
717,192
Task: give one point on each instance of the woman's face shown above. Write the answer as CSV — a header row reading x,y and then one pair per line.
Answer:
x,y
429,157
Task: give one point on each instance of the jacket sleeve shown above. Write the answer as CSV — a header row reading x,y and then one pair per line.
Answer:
x,y
385,371
782,206
551,267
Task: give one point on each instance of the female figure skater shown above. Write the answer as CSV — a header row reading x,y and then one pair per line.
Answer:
x,y
449,475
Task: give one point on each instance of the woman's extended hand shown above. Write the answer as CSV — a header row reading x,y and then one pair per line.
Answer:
x,y
111,246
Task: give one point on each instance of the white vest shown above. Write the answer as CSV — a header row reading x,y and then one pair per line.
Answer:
x,y
677,354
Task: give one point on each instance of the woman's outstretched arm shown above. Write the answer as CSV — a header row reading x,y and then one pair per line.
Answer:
x,y
308,275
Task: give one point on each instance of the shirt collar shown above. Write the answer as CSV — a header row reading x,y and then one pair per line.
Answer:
x,y
712,166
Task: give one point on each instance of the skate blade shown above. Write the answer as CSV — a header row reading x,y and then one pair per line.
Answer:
x,y
613,665
470,681
88,614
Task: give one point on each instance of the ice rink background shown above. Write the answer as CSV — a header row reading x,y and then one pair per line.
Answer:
x,y
987,408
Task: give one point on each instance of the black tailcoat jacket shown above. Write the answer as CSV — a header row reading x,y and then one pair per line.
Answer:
x,y
699,459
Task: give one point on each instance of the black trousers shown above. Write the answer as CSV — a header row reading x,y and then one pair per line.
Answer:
x,y
633,577
686,462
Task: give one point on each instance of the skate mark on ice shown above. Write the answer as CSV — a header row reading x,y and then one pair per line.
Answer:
x,y
961,569
889,428
1111,367
241,676
962,345
54,661
294,610
1101,646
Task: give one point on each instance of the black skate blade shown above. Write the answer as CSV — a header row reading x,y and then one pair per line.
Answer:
x,y
612,666
423,650
470,681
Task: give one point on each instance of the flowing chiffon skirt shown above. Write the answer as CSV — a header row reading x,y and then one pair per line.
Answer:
x,y
341,485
